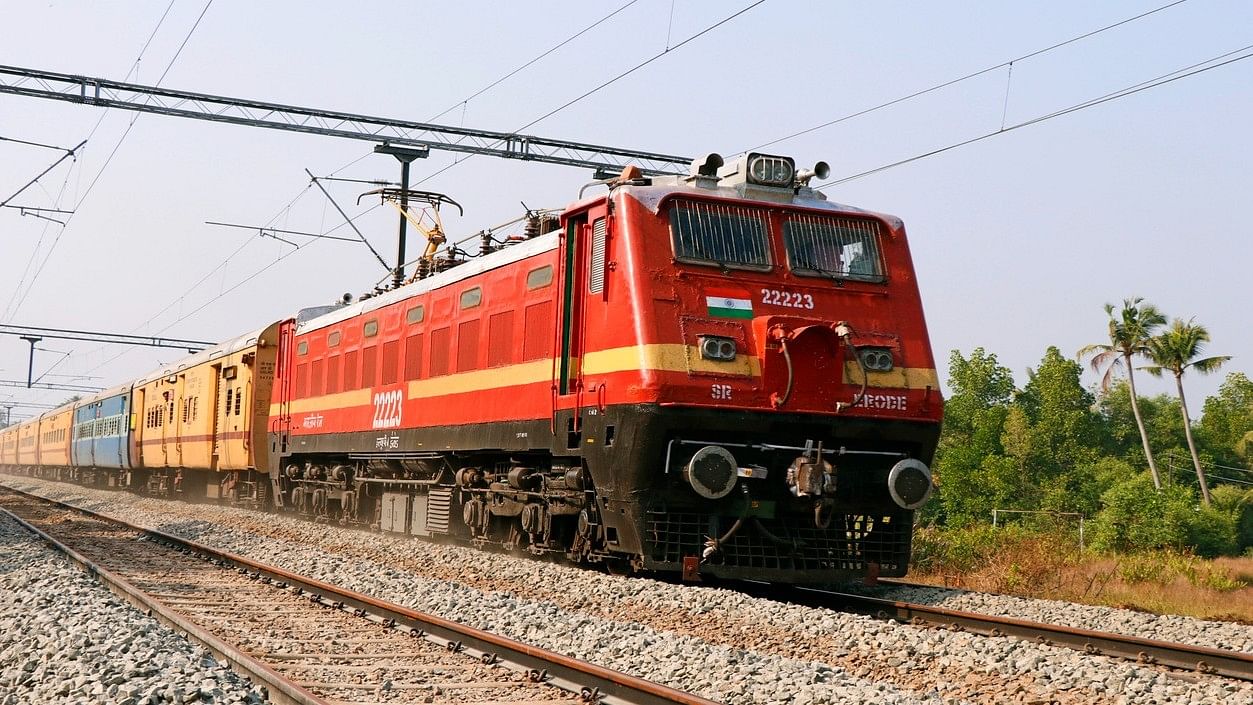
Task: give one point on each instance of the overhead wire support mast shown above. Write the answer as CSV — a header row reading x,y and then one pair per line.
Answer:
x,y
68,153
107,93
318,183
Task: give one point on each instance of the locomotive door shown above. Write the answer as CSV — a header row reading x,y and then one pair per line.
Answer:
x,y
583,281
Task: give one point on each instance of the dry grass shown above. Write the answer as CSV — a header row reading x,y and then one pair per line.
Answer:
x,y
1049,566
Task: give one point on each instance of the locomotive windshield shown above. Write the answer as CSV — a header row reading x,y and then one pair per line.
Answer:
x,y
833,247
729,236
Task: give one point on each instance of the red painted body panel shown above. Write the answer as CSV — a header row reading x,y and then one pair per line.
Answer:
x,y
633,341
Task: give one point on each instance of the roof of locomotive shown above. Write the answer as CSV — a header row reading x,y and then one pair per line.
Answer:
x,y
654,194
651,195
478,265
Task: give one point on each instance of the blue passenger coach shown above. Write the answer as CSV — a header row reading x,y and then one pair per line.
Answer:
x,y
102,432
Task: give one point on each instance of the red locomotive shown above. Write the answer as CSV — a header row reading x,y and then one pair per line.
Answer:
x,y
719,374
722,373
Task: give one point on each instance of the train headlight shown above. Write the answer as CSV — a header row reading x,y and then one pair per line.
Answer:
x,y
876,359
909,483
715,347
712,472
770,171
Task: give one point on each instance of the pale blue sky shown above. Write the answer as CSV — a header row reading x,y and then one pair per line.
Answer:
x,y
1018,240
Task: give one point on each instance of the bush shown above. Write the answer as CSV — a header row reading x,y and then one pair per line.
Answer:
x,y
1239,504
960,550
1145,568
1137,517
1215,532
1000,559
1164,567
1223,528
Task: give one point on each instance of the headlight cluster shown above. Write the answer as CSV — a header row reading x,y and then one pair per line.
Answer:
x,y
771,171
876,359
715,347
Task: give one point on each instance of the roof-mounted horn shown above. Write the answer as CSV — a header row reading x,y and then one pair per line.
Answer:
x,y
704,170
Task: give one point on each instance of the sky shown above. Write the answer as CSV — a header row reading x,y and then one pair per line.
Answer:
x,y
1018,239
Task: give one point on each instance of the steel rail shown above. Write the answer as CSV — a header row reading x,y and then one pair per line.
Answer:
x,y
280,689
597,683
1202,659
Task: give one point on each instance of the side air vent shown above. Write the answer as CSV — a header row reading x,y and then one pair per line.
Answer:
x,y
596,278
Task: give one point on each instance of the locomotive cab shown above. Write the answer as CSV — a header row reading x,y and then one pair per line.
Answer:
x,y
779,394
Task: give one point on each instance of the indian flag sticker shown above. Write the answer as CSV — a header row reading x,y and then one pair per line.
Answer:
x,y
729,303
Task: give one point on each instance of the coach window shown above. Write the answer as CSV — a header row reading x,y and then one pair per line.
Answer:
x,y
718,234
539,278
332,340
303,348
471,297
371,328
415,314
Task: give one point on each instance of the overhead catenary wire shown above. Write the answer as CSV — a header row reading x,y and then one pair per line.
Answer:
x,y
609,82
953,81
30,261
33,144
100,120
354,162
234,286
69,153
531,62
16,302
1185,72
91,186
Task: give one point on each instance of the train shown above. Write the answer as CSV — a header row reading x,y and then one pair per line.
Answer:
x,y
718,374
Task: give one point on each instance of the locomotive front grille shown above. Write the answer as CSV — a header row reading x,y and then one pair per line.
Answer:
x,y
849,543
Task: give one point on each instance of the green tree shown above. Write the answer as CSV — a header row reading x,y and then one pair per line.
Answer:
x,y
1227,422
1177,350
969,459
1062,434
1129,333
1161,421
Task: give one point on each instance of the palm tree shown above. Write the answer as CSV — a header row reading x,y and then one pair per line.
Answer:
x,y
1176,350
1129,335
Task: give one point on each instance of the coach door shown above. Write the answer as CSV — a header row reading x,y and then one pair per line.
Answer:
x,y
583,282
215,423
139,427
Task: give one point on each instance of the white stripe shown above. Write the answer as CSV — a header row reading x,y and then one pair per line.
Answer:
x,y
724,302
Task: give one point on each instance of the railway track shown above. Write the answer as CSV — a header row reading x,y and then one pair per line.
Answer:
x,y
311,643
1230,664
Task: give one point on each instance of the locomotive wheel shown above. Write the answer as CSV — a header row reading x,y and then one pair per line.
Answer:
x,y
620,567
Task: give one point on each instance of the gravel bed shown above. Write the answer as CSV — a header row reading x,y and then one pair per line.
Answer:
x,y
717,643
64,638
1164,627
